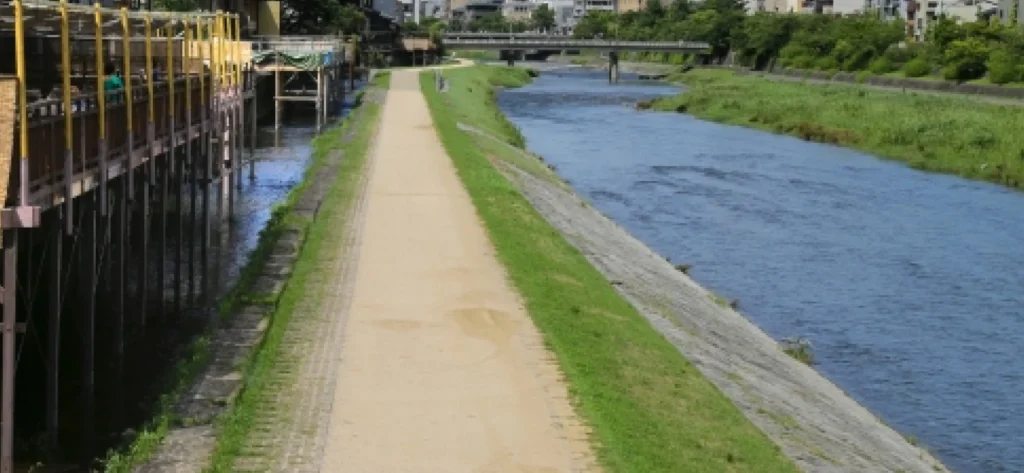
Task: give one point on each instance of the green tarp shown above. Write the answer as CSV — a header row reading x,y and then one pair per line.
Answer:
x,y
296,60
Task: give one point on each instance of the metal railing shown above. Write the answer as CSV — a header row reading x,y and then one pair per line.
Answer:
x,y
298,44
548,43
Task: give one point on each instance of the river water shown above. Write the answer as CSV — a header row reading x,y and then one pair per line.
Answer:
x,y
908,284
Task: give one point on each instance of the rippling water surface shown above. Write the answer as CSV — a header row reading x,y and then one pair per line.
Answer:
x,y
909,285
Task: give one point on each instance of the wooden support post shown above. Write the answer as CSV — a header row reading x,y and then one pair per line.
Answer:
x,y
179,243
254,131
161,261
328,103
87,327
10,319
142,293
117,345
204,240
56,288
193,172
277,98
319,98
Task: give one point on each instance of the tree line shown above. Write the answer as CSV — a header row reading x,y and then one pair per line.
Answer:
x,y
986,48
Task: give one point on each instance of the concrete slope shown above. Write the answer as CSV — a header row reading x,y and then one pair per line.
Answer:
x,y
441,369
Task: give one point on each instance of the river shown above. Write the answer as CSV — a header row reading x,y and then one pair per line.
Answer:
x,y
908,284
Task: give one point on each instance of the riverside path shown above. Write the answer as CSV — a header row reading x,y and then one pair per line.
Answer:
x,y
441,368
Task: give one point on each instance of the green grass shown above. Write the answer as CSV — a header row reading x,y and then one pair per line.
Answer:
x,y
935,133
799,349
480,55
235,426
650,409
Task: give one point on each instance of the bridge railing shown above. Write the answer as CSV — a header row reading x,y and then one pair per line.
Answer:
x,y
298,44
548,43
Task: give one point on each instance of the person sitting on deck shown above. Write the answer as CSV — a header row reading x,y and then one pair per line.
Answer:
x,y
112,82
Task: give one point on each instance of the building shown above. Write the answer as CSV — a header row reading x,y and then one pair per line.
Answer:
x,y
428,9
475,9
963,11
391,9
580,8
518,10
1005,10
630,5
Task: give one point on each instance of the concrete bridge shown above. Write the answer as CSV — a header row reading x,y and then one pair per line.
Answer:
x,y
539,42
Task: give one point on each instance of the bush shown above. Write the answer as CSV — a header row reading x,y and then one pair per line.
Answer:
x,y
859,60
1003,67
966,59
826,63
900,55
802,62
863,76
881,65
917,67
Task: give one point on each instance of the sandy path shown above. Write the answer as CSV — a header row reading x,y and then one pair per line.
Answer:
x,y
442,369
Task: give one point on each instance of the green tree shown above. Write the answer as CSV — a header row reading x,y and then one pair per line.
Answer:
x,y
1003,66
321,17
175,5
593,25
492,23
965,59
543,18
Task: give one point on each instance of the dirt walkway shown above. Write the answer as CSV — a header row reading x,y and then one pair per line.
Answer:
x,y
441,367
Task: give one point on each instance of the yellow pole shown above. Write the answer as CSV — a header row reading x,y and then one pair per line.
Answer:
x,y
126,44
101,96
149,68
65,65
170,73
202,60
238,51
221,60
188,67
19,52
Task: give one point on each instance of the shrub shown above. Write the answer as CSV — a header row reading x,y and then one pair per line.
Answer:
x,y
826,63
917,67
881,65
863,76
802,62
965,59
798,348
858,60
1003,67
900,55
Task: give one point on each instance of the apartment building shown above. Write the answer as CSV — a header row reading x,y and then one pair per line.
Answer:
x,y
518,10
581,7
631,5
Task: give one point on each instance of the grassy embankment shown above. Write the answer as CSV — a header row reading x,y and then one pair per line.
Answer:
x,y
650,409
321,237
942,134
480,55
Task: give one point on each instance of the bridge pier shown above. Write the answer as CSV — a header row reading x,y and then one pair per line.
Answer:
x,y
613,67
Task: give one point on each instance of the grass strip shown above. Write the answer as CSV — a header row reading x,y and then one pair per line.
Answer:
x,y
321,236
649,408
954,135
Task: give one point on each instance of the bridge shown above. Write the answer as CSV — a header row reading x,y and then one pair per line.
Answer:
x,y
532,42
